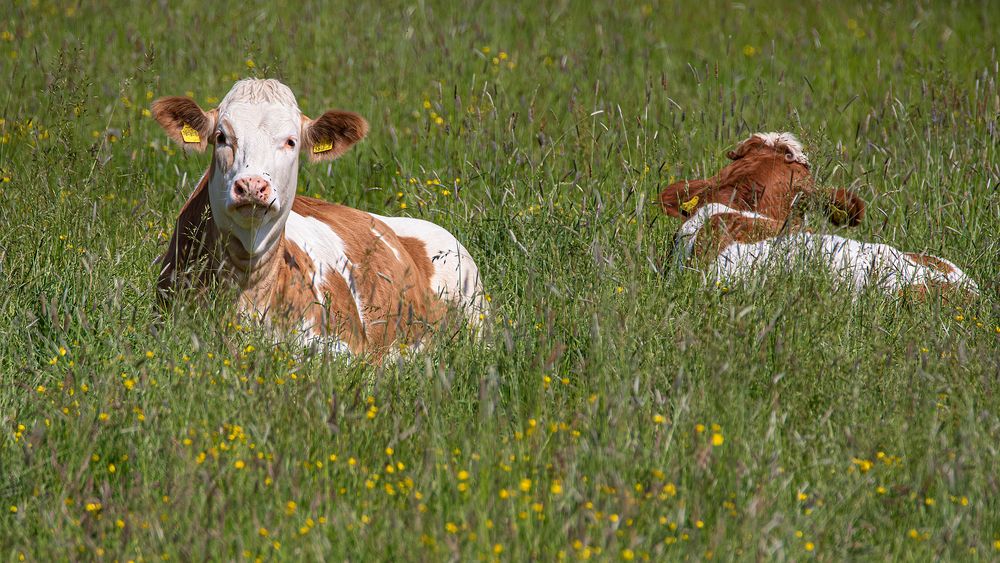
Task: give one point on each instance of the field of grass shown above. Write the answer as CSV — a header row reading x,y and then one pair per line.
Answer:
x,y
616,408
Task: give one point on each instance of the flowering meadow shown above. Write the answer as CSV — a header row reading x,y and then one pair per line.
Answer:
x,y
616,407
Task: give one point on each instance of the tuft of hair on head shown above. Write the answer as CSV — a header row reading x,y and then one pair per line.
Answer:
x,y
783,142
258,91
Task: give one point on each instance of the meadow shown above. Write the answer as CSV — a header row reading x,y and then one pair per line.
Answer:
x,y
616,407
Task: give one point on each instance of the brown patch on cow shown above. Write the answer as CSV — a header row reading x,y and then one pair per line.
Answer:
x,y
288,298
845,208
341,313
759,180
190,258
724,229
763,182
332,134
174,112
294,303
951,293
930,262
418,252
397,301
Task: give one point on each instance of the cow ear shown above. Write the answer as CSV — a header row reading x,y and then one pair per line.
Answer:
x,y
744,148
332,134
185,122
683,198
845,207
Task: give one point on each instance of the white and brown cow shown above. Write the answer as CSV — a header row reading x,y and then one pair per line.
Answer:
x,y
356,281
739,226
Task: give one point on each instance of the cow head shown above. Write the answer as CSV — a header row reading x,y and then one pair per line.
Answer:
x,y
768,174
256,135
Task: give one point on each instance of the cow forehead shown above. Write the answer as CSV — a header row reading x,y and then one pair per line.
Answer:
x,y
255,90
265,118
264,105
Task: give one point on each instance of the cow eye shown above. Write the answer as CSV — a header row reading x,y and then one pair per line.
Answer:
x,y
290,143
220,138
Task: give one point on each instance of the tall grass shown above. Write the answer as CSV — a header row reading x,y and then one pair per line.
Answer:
x,y
617,407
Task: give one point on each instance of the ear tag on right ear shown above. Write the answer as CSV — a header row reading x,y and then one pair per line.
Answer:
x,y
189,134
322,146
688,206
838,215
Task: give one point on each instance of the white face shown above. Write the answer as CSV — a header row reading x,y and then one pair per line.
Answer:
x,y
255,170
256,135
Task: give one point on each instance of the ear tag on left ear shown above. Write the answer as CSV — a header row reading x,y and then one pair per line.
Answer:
x,y
322,146
189,134
688,206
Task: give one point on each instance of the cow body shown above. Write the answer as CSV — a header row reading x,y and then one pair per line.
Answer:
x,y
310,270
740,225
733,246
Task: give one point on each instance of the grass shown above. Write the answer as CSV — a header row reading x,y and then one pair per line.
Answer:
x,y
617,408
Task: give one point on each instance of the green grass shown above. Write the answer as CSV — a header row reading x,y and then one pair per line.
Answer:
x,y
850,429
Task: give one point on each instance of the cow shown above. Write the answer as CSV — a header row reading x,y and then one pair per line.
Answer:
x,y
739,227
314,271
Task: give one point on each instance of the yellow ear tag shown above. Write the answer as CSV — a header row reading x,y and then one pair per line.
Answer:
x,y
322,146
688,206
189,134
838,215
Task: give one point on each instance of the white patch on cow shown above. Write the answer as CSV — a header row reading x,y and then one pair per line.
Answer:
x,y
309,336
783,141
329,344
327,251
456,276
687,235
381,237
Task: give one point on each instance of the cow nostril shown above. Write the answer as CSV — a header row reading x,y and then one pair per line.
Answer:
x,y
238,188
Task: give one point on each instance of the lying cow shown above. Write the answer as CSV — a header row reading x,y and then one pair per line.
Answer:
x,y
737,230
356,281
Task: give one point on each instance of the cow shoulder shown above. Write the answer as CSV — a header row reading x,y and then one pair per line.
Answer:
x,y
192,240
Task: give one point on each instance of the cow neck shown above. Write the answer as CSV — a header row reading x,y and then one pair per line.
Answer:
x,y
254,273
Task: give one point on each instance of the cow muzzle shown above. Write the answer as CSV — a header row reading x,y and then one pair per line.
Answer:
x,y
251,196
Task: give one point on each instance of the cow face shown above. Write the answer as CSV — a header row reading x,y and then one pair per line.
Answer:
x,y
257,134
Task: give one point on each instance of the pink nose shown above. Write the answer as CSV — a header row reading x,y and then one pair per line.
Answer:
x,y
253,189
